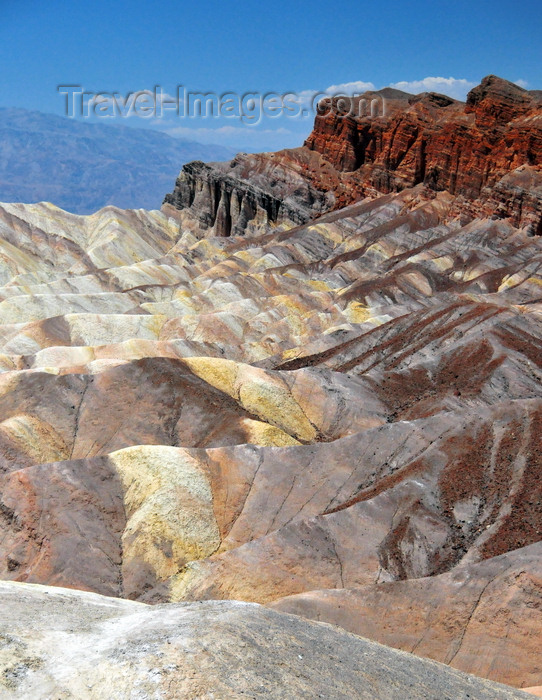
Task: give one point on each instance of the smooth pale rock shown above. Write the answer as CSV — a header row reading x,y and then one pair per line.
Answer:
x,y
61,643
33,308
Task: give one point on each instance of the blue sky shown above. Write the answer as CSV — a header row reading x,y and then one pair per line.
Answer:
x,y
281,46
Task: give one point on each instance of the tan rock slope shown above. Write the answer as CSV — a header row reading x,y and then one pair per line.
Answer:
x,y
463,618
332,410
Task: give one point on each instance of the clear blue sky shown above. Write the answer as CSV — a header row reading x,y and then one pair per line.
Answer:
x,y
282,45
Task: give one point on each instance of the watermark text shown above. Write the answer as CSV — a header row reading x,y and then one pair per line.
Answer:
x,y
249,107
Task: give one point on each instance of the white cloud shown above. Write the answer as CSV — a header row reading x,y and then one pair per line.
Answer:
x,y
522,83
310,98
453,87
354,88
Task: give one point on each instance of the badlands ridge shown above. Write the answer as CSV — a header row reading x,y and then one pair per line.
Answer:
x,y
306,391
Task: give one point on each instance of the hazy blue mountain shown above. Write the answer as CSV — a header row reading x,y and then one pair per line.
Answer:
x,y
82,167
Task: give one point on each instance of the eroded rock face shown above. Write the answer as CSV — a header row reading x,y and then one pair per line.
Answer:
x,y
442,143
430,139
62,643
257,190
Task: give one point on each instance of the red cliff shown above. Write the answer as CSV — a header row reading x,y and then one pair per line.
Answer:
x,y
443,143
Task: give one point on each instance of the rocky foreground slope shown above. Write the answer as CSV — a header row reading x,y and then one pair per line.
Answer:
x,y
332,407
69,644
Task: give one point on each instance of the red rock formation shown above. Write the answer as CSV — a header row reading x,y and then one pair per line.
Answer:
x,y
440,142
474,151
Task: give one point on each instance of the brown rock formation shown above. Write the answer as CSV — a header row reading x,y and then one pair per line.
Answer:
x,y
441,142
464,149
254,191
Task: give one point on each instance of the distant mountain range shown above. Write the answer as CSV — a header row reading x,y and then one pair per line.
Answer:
x,y
82,167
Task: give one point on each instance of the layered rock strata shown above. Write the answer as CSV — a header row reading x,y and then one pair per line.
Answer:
x,y
471,150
